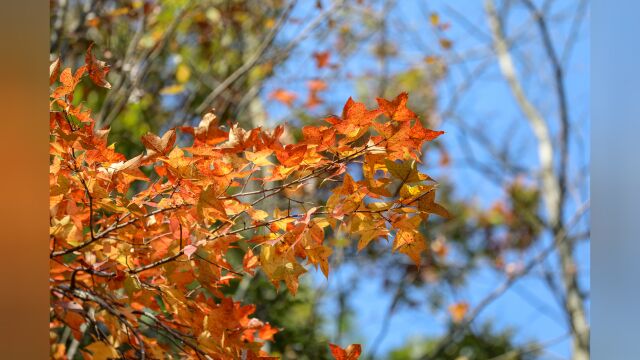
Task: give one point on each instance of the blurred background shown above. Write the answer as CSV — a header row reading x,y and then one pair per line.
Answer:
x,y
507,277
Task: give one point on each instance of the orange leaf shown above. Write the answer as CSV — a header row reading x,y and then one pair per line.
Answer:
x,y
355,119
410,243
284,96
316,85
98,69
266,332
352,352
322,58
69,81
458,311
159,145
291,155
397,109
54,69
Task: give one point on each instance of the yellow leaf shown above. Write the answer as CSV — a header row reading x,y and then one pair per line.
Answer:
x,y
281,267
260,158
183,73
172,89
407,171
410,243
434,19
102,351
257,215
209,206
427,205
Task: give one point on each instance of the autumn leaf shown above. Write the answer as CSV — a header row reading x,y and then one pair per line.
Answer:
x,y
208,130
420,134
407,171
279,267
355,120
98,69
69,82
250,262
206,200
458,311
102,351
291,155
397,109
159,145
209,207
352,352
427,205
284,96
259,158
54,69
322,58
410,243
434,19
266,332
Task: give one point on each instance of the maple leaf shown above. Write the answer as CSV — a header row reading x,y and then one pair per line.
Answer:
x,y
406,171
319,255
159,145
397,108
427,205
281,267
419,134
102,351
355,119
284,96
351,352
209,206
250,262
266,332
69,82
291,155
98,69
410,243
207,131
321,136
369,232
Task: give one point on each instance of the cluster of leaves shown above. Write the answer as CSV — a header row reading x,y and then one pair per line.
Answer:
x,y
142,273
